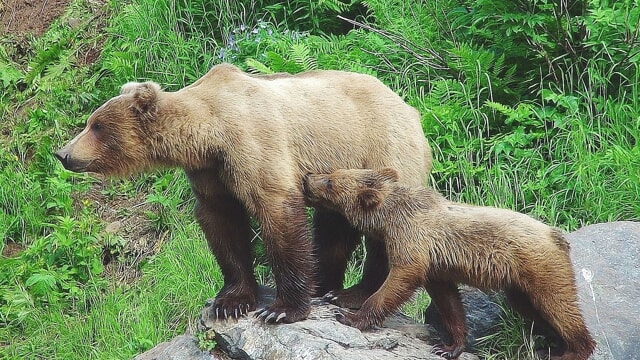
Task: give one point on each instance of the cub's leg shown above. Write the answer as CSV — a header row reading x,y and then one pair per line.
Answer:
x,y
399,286
555,298
225,224
287,242
446,298
334,240
375,271
521,303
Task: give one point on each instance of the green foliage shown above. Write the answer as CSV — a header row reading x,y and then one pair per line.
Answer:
x,y
149,41
63,266
316,16
58,261
206,340
168,192
175,42
528,105
513,340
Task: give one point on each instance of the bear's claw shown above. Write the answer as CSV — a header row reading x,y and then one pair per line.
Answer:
x,y
279,313
219,310
267,315
446,351
351,298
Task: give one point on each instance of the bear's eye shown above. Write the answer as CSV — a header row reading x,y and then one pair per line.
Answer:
x,y
97,127
329,184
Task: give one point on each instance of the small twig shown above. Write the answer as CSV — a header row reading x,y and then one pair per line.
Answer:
x,y
435,60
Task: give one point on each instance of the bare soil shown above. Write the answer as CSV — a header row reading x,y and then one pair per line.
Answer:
x,y
20,17
126,222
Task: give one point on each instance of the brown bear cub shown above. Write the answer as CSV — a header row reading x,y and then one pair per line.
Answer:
x,y
245,141
436,243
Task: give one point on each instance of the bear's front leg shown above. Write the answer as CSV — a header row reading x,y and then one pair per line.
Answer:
x,y
226,226
398,288
287,242
374,273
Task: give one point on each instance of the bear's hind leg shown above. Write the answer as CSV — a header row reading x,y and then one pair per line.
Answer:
x,y
334,240
556,301
446,298
225,224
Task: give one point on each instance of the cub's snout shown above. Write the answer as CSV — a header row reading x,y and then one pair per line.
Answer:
x,y
312,185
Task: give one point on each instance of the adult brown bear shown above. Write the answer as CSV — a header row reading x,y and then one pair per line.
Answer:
x,y
435,243
245,141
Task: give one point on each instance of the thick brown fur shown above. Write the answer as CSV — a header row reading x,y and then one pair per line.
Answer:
x,y
436,243
245,142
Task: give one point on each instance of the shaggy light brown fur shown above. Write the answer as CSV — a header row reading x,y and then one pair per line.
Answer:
x,y
437,244
245,141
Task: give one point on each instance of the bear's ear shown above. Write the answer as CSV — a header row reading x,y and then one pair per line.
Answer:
x,y
388,174
144,94
369,199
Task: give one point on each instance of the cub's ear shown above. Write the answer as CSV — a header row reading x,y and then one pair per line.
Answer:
x,y
369,199
388,174
145,95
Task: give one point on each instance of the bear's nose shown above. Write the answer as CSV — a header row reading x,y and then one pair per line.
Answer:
x,y
305,182
62,157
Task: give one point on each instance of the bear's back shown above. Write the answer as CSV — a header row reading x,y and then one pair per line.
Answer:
x,y
326,119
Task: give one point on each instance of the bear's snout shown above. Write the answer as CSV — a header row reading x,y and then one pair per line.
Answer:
x,y
63,157
70,162
305,183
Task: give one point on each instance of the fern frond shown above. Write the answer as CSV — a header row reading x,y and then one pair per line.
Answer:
x,y
301,55
258,67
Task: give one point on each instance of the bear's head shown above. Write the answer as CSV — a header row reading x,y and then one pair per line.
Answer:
x,y
116,138
350,192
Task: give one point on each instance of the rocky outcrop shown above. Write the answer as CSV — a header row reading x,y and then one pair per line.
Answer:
x,y
183,347
606,258
320,337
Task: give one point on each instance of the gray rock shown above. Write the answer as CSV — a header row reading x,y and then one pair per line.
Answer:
x,y
183,347
606,259
482,313
321,337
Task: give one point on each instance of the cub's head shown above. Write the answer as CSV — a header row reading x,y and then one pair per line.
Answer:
x,y
115,140
350,192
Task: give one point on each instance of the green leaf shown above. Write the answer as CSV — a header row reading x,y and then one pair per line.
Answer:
x,y
257,65
9,75
41,283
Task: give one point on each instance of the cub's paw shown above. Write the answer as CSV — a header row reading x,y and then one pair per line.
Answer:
x,y
447,351
351,298
229,307
352,319
279,313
